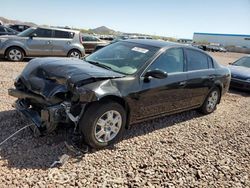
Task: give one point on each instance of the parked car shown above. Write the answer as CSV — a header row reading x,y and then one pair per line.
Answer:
x,y
144,37
7,31
117,39
42,42
240,71
90,42
222,49
214,48
19,27
200,46
124,83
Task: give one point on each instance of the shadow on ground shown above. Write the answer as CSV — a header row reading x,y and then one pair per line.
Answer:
x,y
241,92
24,60
26,152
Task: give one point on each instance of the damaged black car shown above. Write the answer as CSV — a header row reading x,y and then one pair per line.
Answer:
x,y
124,83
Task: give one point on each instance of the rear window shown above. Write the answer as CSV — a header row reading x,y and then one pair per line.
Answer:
x,y
196,60
89,38
63,34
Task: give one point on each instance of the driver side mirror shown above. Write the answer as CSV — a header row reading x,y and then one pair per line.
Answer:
x,y
33,35
159,74
230,63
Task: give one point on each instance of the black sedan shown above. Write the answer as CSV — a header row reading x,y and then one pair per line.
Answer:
x,y
240,71
124,83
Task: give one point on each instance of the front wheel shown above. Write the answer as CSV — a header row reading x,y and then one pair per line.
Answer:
x,y
103,124
74,54
15,54
211,101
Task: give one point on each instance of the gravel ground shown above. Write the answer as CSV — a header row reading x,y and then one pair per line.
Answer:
x,y
183,150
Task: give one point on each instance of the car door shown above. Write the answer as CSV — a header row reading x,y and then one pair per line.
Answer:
x,y
61,42
39,42
160,96
200,75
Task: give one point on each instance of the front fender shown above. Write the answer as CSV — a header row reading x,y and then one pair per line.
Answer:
x,y
97,91
9,43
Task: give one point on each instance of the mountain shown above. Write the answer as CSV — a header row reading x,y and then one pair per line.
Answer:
x,y
104,30
9,21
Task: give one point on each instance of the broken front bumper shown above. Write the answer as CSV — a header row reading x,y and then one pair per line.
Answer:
x,y
45,120
46,116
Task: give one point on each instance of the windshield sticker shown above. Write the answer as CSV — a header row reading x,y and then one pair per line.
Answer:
x,y
141,50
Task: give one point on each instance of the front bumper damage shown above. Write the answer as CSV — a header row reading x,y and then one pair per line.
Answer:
x,y
48,117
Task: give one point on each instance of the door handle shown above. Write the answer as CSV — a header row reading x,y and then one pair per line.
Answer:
x,y
183,83
49,42
68,42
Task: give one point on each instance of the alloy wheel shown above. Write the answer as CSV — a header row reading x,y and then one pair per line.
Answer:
x,y
15,55
212,101
108,126
75,54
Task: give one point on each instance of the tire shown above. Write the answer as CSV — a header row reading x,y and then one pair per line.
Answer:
x,y
108,130
211,101
15,54
75,54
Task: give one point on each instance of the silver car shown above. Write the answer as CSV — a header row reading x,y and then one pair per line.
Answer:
x,y
42,42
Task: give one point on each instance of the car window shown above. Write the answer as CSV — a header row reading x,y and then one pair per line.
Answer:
x,y
123,57
210,62
89,38
171,61
10,30
26,33
196,60
63,34
245,62
45,33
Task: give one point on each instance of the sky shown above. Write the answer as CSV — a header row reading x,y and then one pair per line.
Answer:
x,y
170,18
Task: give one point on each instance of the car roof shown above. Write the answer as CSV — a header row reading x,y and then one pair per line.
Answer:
x,y
163,44
155,43
55,28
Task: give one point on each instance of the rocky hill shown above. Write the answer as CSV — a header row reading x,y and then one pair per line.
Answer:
x,y
105,30
9,21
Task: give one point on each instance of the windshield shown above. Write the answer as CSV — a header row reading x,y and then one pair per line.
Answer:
x,y
123,57
245,62
26,33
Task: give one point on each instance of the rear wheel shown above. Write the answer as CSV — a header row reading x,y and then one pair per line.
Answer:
x,y
211,101
75,54
15,54
103,124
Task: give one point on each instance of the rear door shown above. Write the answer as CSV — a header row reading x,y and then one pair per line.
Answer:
x,y
61,42
40,42
200,75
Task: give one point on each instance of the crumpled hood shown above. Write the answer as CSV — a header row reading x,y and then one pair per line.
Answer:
x,y
47,76
239,72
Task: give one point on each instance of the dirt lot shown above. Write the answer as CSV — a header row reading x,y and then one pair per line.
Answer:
x,y
183,150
